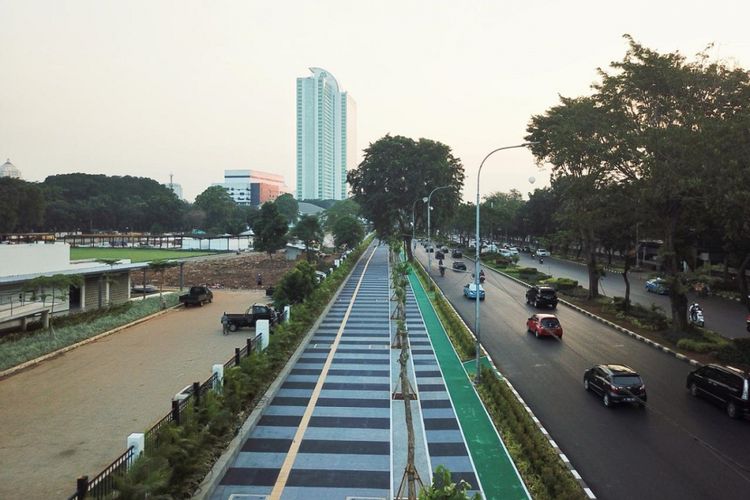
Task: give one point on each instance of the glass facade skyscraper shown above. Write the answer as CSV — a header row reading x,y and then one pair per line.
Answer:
x,y
326,137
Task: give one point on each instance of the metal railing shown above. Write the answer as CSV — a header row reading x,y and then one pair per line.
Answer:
x,y
102,486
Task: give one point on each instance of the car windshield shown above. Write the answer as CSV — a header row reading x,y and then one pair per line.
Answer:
x,y
550,323
626,380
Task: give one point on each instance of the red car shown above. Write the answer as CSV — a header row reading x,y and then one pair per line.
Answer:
x,y
544,325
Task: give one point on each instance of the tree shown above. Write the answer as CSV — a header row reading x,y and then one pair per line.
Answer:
x,y
270,229
684,119
218,206
348,231
340,209
288,207
295,286
22,205
308,230
395,173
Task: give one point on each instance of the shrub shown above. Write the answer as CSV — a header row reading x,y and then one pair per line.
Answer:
x,y
561,284
543,471
735,351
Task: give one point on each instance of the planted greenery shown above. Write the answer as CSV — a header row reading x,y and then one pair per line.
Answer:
x,y
178,459
462,339
443,488
16,350
538,462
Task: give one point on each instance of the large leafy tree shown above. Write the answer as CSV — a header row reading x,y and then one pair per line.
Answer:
x,y
86,201
295,286
21,204
395,174
308,231
348,231
288,207
270,228
218,206
341,208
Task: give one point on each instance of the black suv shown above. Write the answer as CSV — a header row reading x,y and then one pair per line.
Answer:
x,y
541,296
615,384
723,385
456,253
459,265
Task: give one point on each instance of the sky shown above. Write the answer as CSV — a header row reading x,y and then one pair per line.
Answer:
x,y
191,88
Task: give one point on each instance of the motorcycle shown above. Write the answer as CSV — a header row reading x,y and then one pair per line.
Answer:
x,y
695,315
541,259
747,321
442,270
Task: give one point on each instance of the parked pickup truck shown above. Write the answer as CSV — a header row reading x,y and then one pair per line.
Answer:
x,y
232,322
197,296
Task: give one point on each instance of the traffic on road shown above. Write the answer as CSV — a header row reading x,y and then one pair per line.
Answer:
x,y
677,446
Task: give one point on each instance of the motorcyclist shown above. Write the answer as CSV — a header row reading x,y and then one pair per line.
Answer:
x,y
441,267
541,259
693,310
481,275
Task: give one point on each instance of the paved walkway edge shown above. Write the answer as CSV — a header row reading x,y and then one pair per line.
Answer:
x,y
210,482
485,472
33,362
589,493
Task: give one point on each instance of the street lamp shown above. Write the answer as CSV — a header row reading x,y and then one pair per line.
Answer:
x,y
429,236
413,224
476,261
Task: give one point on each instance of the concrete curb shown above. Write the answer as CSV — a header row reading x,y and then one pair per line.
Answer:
x,y
612,325
589,493
33,362
210,482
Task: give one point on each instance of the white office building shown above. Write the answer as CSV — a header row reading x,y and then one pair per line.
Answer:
x,y
252,187
326,137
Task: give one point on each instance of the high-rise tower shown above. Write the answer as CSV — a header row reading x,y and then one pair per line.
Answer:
x,y
326,137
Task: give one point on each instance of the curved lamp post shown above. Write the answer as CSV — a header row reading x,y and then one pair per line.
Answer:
x,y
477,264
429,236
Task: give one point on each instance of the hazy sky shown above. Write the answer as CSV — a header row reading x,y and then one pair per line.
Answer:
x,y
150,87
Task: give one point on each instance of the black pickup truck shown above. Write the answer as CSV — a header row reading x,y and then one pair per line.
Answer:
x,y
232,322
197,296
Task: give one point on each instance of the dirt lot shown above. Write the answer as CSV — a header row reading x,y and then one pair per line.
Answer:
x,y
225,271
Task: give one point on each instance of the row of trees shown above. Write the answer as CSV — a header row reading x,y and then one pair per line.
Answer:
x,y
661,148
86,202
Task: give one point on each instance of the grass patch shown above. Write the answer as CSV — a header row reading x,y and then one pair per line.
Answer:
x,y
134,254
15,350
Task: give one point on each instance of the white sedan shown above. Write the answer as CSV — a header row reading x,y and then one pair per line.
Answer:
x,y
541,252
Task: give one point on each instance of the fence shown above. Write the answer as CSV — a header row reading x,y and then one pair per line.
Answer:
x,y
103,485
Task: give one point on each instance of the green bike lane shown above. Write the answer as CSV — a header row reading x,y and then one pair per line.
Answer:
x,y
497,473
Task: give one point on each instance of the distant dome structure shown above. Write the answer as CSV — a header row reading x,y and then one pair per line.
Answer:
x,y
7,169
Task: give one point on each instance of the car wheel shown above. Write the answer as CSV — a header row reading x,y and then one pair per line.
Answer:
x,y
694,389
732,409
586,384
232,327
605,399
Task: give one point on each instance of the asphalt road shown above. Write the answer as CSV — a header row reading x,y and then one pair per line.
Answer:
x,y
677,447
723,316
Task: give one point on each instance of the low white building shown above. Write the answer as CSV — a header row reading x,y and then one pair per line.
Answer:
x,y
100,285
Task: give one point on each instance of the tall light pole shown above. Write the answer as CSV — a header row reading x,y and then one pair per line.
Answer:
x,y
477,263
413,224
429,235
